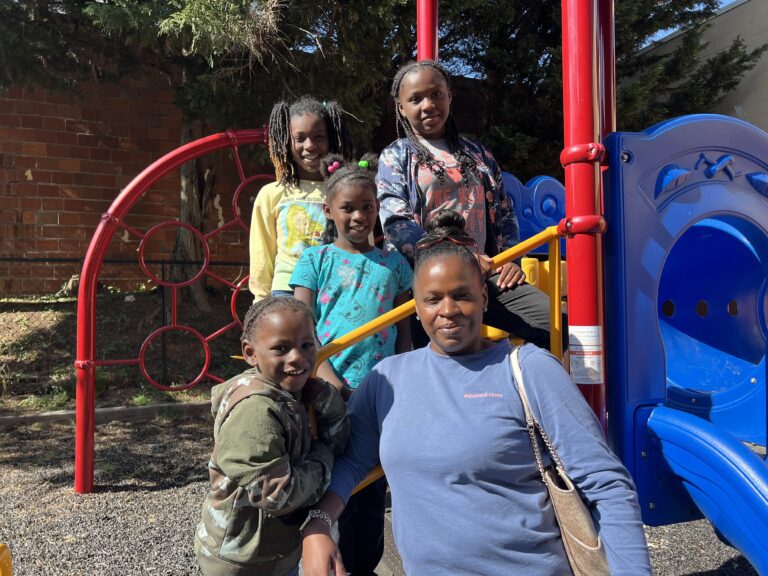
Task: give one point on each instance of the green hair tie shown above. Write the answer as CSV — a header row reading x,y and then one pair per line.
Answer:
x,y
363,163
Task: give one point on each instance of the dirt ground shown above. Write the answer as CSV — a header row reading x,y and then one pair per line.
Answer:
x,y
38,338
150,476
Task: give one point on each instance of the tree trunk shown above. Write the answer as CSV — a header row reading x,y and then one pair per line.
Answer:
x,y
196,179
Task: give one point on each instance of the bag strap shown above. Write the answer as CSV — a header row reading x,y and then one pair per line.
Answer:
x,y
533,426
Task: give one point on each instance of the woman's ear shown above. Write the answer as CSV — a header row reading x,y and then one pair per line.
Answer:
x,y
249,354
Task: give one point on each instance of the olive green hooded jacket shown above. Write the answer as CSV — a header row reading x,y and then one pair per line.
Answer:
x,y
264,471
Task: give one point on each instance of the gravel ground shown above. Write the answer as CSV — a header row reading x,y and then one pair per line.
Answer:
x,y
151,481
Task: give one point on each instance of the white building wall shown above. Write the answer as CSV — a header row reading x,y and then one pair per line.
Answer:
x,y
749,20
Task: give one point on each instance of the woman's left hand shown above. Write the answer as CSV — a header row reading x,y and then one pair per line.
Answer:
x,y
320,555
510,275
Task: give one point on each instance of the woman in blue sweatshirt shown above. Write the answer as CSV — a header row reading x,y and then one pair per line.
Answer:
x,y
447,425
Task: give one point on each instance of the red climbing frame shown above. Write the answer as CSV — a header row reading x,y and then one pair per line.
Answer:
x,y
112,221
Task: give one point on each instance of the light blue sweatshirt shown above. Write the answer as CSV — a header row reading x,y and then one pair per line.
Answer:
x,y
467,497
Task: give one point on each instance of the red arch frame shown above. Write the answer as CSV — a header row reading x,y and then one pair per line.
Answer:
x,y
111,222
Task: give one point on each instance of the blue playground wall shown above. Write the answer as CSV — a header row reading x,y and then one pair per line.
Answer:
x,y
538,204
686,261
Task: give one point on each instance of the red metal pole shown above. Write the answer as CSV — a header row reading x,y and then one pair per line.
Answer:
x,y
426,29
606,49
607,61
580,159
85,391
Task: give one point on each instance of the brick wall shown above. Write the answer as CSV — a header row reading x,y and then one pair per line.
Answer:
x,y
63,160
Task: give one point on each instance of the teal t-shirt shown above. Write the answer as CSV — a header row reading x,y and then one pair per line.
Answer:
x,y
350,290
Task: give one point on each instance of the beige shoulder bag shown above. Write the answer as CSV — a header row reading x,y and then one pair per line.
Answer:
x,y
583,546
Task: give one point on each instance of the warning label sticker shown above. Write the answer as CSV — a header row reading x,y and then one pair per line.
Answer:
x,y
585,344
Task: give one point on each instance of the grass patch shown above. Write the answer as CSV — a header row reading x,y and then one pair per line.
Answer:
x,y
57,399
142,400
38,343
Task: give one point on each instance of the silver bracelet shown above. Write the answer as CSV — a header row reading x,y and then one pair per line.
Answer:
x,y
320,515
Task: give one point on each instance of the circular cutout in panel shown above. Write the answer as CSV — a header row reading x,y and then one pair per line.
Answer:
x,y
239,198
168,350
715,359
668,308
240,301
164,226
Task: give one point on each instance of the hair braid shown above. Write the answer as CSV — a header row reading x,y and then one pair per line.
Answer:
x,y
280,142
339,133
423,154
443,226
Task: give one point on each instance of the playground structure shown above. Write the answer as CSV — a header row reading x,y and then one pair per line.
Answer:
x,y
686,261
685,254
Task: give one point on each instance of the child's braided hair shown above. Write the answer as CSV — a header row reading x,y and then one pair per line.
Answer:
x,y
424,156
263,308
337,171
331,112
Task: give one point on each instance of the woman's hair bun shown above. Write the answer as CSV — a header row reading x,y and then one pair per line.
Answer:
x,y
446,222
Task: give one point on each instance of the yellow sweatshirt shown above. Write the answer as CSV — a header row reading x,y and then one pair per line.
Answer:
x,y
286,219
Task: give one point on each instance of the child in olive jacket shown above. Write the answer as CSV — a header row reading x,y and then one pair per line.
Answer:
x,y
265,468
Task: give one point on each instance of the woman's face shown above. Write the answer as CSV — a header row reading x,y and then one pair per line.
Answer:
x,y
450,300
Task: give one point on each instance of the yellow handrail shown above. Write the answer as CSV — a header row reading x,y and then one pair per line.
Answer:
x,y
404,310
6,561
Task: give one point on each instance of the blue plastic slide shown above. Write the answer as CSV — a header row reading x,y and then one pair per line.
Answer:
x,y
724,478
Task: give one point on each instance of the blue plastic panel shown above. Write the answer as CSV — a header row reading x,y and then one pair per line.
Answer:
x,y
659,185
712,328
539,203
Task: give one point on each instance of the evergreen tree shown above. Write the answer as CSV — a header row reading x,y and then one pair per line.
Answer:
x,y
52,45
515,46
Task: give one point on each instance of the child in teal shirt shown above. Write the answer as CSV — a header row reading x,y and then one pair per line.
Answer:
x,y
348,283
351,282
